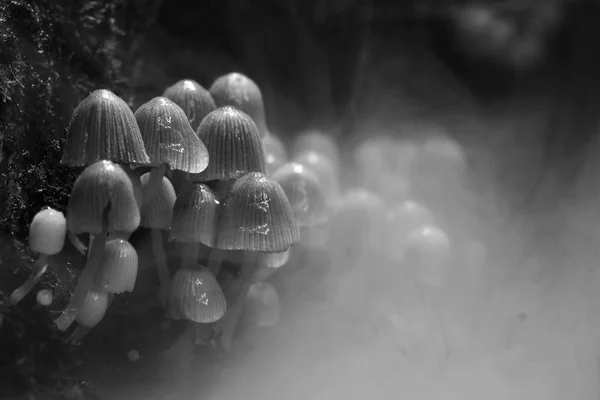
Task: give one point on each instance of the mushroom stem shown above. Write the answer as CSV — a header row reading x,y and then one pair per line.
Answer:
x,y
161,264
189,257
238,292
119,235
77,243
84,284
154,183
39,269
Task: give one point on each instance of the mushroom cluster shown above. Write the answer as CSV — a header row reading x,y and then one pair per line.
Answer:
x,y
201,169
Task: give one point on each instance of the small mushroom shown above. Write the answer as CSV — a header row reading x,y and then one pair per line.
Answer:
x,y
316,140
118,269
275,153
241,92
325,171
428,252
46,237
402,220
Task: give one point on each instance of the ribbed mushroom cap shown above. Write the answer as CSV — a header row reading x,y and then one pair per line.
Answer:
x,y
195,101
241,92
103,127
196,296
195,216
257,216
158,213
169,138
305,194
103,198
233,144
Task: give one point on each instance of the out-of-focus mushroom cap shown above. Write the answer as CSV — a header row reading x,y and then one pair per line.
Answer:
x,y
257,216
305,194
169,138
317,140
195,101
233,144
103,198
103,127
241,92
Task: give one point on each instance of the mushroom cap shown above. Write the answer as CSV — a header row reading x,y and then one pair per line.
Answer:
x,y
169,138
401,220
93,310
103,198
103,127
324,169
118,269
317,140
241,92
158,213
195,101
233,144
427,249
195,216
305,193
47,232
274,152
196,296
257,216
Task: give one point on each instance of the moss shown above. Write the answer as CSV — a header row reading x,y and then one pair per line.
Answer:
x,y
52,54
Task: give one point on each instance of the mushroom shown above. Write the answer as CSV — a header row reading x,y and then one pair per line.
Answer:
x,y
275,153
118,269
256,218
103,200
46,237
316,140
401,220
170,142
241,92
103,128
304,192
193,99
325,171
157,216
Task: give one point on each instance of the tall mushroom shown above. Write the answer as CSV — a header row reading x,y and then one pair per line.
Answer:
x,y
103,200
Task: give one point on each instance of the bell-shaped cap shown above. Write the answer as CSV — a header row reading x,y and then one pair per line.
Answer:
x,y
103,199
169,138
103,127
118,269
195,101
196,296
233,144
257,216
